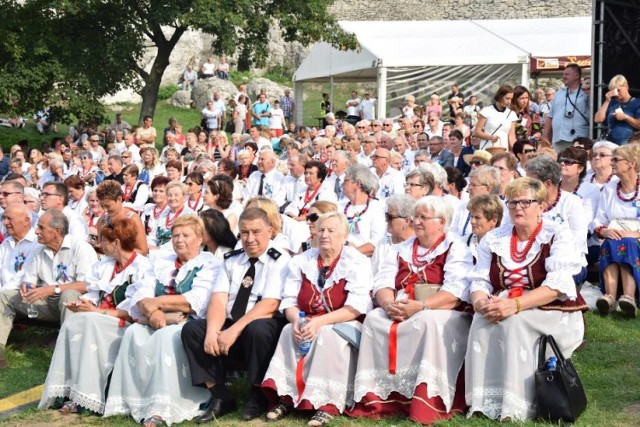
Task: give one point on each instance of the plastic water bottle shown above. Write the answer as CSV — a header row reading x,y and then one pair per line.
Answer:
x,y
551,363
32,313
303,345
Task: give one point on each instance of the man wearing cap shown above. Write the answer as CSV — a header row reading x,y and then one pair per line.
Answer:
x,y
367,107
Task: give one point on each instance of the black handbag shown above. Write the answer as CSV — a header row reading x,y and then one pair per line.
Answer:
x,y
559,392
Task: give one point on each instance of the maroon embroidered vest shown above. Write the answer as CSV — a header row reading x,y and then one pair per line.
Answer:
x,y
310,302
432,273
536,273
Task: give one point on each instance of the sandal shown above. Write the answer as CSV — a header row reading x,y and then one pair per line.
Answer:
x,y
319,419
628,306
69,407
279,411
154,421
605,304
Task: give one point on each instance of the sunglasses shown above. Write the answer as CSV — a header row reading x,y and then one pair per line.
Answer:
x,y
313,217
566,161
476,163
390,218
529,150
617,159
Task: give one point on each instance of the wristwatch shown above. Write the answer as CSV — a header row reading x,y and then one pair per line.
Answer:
x,y
57,290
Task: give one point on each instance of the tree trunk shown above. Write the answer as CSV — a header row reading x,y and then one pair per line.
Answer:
x,y
154,78
152,84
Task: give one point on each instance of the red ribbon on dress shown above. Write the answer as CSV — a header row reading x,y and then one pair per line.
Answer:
x,y
299,380
516,292
393,347
410,291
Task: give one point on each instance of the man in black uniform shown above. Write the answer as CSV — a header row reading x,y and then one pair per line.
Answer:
x,y
243,323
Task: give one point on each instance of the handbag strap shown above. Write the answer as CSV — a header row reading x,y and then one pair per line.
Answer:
x,y
542,350
556,350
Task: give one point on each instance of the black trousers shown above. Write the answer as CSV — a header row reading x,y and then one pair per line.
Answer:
x,y
254,347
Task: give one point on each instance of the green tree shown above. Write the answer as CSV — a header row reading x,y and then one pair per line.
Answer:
x,y
68,54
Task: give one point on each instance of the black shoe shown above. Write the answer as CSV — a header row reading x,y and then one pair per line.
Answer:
x,y
216,409
256,405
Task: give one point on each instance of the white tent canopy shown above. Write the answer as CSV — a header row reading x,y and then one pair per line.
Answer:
x,y
393,45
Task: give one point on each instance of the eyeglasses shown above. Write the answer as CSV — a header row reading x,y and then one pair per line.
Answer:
x,y
8,193
94,140
44,194
387,124
524,203
417,126
375,156
376,124
313,217
412,184
567,161
618,159
423,218
603,155
529,150
360,127
85,158
389,217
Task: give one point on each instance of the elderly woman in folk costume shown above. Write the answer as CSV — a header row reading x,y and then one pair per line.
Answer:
x,y
413,345
365,214
331,285
151,379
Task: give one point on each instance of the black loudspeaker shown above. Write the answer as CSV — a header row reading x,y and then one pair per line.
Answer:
x,y
616,46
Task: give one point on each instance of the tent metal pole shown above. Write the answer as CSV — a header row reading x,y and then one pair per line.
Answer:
x,y
382,93
525,72
331,94
298,90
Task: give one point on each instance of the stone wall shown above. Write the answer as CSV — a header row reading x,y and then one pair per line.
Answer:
x,y
429,10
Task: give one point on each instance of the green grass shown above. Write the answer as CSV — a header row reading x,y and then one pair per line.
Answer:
x,y
130,113
189,118
608,366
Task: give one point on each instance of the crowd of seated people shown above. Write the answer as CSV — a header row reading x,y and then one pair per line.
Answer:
x,y
411,249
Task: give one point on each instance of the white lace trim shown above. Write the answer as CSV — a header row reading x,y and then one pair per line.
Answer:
x,y
352,266
91,402
344,268
499,240
405,249
405,382
318,391
139,409
499,403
